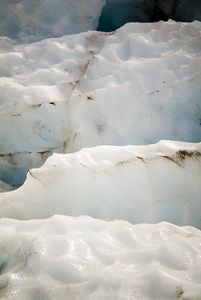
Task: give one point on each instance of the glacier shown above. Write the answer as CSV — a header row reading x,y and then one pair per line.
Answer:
x,y
100,153
66,94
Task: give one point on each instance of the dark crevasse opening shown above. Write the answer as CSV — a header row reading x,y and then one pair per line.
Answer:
x,y
116,13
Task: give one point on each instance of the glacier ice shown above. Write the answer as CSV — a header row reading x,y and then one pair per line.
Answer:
x,y
140,184
116,118
138,85
33,20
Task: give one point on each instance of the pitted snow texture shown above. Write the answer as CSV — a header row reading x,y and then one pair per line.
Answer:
x,y
83,258
138,85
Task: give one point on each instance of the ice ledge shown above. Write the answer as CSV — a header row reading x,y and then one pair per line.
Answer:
x,y
150,184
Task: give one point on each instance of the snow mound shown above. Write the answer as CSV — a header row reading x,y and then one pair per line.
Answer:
x,y
29,21
84,258
140,184
138,85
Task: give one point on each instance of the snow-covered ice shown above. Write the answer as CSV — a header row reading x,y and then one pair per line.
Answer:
x,y
84,258
140,184
138,85
100,153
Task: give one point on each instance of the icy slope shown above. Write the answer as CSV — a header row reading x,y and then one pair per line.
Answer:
x,y
83,258
139,184
138,85
34,20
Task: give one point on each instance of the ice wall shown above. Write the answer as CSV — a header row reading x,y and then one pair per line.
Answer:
x,y
139,85
28,20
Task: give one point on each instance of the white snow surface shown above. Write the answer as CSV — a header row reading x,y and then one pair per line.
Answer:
x,y
84,258
138,85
